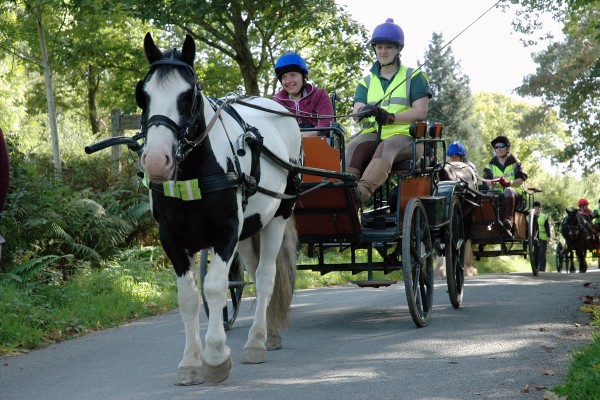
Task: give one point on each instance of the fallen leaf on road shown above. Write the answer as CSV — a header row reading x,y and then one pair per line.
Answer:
x,y
525,389
548,372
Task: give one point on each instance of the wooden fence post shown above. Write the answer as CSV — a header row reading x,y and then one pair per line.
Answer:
x,y
120,123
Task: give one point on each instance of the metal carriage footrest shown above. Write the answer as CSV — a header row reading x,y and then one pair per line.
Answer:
x,y
375,283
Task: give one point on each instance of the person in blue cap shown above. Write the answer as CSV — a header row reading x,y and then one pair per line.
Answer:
x,y
300,97
457,152
392,96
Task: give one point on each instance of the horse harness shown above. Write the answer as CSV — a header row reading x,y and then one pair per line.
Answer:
x,y
193,190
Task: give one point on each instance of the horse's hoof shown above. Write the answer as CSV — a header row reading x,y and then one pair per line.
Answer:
x,y
273,342
217,373
254,355
189,376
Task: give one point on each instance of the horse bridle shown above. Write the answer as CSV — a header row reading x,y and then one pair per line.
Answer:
x,y
193,131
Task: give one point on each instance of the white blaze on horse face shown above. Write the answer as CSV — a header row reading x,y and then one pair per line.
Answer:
x,y
157,159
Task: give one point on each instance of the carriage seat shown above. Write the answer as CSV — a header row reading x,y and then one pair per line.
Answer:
x,y
421,130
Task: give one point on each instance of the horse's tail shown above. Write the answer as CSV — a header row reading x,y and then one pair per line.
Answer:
x,y
285,279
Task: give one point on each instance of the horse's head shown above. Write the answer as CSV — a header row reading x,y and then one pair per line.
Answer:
x,y
570,226
170,98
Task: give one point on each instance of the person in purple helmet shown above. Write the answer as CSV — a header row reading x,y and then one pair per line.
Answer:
x,y
391,96
300,97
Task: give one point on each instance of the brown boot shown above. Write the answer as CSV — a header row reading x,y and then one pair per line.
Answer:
x,y
376,173
354,172
509,211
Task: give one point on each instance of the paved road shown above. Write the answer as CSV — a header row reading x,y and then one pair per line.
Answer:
x,y
514,331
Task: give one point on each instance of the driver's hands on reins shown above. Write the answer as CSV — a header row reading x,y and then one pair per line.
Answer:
x,y
381,116
504,182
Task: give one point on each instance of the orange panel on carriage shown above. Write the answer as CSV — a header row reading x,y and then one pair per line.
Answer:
x,y
414,186
319,154
327,211
486,213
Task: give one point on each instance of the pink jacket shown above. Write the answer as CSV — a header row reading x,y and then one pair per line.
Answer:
x,y
316,102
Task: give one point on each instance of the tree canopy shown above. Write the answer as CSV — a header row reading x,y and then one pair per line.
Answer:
x,y
568,73
451,104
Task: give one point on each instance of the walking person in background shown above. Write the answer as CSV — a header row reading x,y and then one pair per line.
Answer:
x,y
542,224
4,179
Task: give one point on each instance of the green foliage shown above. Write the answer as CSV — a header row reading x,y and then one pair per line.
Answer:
x,y
568,71
84,219
135,285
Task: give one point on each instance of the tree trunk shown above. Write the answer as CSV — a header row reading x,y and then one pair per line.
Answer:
x,y
49,93
92,90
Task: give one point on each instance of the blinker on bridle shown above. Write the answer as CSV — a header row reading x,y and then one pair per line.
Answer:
x,y
183,133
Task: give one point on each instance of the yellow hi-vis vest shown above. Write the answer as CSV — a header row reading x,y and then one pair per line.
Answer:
x,y
541,220
396,103
509,173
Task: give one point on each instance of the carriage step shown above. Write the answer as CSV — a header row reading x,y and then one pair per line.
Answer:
x,y
374,283
237,284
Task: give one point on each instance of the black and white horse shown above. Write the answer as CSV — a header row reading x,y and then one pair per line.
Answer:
x,y
207,194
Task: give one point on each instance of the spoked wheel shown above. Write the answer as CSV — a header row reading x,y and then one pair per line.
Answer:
x,y
559,258
417,262
455,254
532,248
236,288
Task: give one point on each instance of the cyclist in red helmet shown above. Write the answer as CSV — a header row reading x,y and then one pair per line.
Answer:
x,y
391,96
299,96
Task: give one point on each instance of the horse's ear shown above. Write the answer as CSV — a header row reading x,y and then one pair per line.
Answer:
x,y
140,97
153,53
188,51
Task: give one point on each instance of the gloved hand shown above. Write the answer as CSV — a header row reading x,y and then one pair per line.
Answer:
x,y
504,182
381,116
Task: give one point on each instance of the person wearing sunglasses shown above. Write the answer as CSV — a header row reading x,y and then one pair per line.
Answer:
x,y
511,173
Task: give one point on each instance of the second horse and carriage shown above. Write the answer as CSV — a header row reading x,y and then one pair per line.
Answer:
x,y
232,179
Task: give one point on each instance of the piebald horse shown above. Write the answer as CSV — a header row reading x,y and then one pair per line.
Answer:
x,y
208,192
462,172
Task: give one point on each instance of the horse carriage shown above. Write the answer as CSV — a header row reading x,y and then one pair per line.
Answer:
x,y
486,228
413,217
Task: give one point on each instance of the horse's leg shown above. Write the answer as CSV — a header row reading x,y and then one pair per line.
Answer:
x,y
581,254
572,260
216,364
270,243
470,269
190,367
440,270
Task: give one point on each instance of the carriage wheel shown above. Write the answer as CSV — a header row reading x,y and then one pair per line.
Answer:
x,y
236,287
455,254
532,249
559,258
417,262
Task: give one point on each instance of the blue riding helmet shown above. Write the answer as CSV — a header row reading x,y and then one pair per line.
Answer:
x,y
290,62
388,33
456,149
